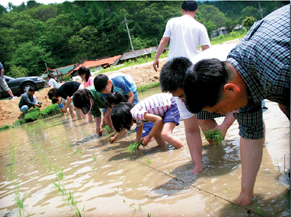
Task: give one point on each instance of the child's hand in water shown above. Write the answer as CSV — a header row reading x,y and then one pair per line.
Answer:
x,y
112,139
146,140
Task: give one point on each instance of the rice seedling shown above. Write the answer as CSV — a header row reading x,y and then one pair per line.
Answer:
x,y
258,211
78,151
94,158
149,161
214,135
134,146
106,128
169,170
149,215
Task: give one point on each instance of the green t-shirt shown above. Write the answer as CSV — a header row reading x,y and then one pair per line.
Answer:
x,y
98,102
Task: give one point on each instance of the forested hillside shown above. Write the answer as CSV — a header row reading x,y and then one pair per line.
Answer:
x,y
33,34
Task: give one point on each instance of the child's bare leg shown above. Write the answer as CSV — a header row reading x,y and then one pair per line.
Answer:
x,y
158,137
251,152
167,135
72,112
90,118
79,114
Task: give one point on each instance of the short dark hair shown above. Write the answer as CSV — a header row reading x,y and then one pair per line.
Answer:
x,y
52,93
31,89
81,97
204,83
86,71
114,99
121,116
173,73
189,5
100,82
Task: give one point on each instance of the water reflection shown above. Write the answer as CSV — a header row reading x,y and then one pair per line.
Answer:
x,y
106,179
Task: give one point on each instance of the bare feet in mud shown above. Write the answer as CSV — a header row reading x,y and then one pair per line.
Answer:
x,y
197,169
244,199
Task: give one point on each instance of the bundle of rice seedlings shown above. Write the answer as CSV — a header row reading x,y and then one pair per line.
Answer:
x,y
32,115
5,127
133,147
49,111
214,135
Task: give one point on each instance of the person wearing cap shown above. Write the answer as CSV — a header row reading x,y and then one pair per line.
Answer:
x,y
88,100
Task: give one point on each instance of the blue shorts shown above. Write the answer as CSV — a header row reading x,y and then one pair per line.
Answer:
x,y
173,114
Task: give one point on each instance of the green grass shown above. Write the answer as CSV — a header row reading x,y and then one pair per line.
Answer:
x,y
214,135
228,37
147,87
49,111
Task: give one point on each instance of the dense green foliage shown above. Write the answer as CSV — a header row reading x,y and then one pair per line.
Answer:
x,y
33,34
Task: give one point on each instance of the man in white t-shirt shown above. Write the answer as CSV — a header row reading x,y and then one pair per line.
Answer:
x,y
185,35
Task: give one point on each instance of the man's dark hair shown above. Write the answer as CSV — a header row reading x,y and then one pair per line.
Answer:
x,y
121,116
86,71
173,73
31,89
114,99
189,5
81,97
52,93
100,82
203,84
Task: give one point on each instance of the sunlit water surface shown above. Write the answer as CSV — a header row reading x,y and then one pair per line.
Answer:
x,y
61,167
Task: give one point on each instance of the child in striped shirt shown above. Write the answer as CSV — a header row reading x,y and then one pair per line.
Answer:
x,y
159,108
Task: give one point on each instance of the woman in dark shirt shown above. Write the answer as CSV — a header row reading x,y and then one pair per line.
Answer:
x,y
66,92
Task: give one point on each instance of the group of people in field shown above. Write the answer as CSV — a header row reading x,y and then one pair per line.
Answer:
x,y
222,81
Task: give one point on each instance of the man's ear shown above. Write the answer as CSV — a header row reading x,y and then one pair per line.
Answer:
x,y
231,87
109,81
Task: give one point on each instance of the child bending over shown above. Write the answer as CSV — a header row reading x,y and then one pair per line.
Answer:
x,y
159,108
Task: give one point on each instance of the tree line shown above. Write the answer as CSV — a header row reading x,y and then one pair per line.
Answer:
x,y
33,34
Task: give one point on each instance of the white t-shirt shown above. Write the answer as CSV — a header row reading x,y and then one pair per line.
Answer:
x,y
186,34
157,104
54,83
217,51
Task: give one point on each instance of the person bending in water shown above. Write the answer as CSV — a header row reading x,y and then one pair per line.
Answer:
x,y
257,68
90,101
158,108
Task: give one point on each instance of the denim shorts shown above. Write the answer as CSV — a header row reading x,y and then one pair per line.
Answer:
x,y
173,114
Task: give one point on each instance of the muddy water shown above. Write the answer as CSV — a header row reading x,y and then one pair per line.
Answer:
x,y
106,180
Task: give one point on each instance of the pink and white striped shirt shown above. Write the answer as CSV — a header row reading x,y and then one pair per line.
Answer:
x,y
157,104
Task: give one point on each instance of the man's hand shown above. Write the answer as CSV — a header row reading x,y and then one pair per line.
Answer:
x,y
37,105
156,64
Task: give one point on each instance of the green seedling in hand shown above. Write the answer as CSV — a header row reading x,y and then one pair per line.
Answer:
x,y
214,135
134,146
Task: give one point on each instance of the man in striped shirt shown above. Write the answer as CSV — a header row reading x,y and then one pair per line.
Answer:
x,y
257,68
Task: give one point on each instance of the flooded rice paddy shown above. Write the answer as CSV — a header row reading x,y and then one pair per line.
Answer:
x,y
59,167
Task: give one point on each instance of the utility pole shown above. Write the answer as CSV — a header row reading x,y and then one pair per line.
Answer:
x,y
260,10
125,20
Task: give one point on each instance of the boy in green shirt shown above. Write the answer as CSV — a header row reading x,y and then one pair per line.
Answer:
x,y
89,100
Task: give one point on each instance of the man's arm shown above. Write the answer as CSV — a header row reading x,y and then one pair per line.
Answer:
x,y
163,43
204,47
194,142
